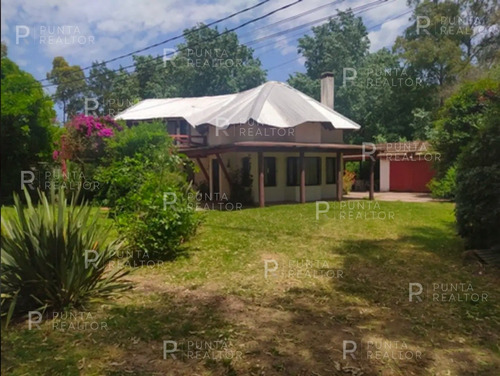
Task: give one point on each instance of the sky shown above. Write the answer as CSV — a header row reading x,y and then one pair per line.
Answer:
x,y
82,32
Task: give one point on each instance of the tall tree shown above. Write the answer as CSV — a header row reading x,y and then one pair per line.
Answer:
x,y
213,63
373,89
71,86
26,122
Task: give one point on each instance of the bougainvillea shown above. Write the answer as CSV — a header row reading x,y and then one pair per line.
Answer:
x,y
83,140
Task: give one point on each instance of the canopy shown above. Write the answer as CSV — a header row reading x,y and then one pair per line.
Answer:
x,y
274,103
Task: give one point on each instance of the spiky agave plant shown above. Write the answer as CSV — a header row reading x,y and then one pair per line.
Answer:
x,y
56,255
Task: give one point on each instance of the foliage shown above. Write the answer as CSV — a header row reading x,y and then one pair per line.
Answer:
x,y
126,159
144,182
478,183
348,181
370,88
213,63
71,86
45,256
339,43
84,138
26,125
458,121
241,187
444,187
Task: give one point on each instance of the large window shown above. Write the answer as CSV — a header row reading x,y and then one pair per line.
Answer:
x,y
313,171
331,171
270,172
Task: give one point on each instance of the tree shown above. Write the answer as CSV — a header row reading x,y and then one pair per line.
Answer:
x,y
478,180
27,125
213,63
429,46
459,121
340,43
373,89
100,89
71,86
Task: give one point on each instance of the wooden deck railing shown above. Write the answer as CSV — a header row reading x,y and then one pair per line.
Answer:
x,y
186,141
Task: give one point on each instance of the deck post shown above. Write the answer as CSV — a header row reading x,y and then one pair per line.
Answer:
x,y
203,169
340,176
302,167
262,200
372,178
224,170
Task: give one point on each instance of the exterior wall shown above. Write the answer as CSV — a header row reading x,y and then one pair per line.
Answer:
x,y
332,136
308,133
281,192
385,173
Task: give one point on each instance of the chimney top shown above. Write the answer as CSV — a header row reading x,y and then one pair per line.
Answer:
x,y
326,74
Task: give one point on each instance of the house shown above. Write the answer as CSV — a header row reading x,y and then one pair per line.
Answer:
x,y
287,146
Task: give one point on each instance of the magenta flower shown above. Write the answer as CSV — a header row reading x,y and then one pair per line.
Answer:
x,y
105,132
55,155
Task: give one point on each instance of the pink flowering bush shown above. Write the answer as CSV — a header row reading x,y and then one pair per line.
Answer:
x,y
84,136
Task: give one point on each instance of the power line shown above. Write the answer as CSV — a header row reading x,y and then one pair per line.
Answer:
x,y
171,39
368,29
227,31
357,10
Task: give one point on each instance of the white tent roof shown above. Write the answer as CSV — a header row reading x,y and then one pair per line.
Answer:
x,y
273,103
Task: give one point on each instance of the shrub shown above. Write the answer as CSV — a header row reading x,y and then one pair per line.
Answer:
x,y
459,119
348,181
144,167
241,187
44,258
444,187
478,185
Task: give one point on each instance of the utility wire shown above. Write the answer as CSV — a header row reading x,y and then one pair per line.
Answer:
x,y
227,31
365,7
368,29
171,39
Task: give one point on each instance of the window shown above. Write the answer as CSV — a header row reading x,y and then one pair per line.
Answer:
x,y
313,171
292,171
269,172
177,127
331,171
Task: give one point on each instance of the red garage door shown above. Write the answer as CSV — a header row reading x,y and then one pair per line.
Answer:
x,y
410,176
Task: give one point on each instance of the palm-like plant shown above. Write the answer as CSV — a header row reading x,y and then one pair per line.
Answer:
x,y
55,255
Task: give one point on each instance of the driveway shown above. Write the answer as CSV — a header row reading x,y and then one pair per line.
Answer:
x,y
394,196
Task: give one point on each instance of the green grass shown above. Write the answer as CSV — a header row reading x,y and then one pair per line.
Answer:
x,y
288,324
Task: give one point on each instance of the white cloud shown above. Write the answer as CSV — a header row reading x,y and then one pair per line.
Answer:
x,y
387,33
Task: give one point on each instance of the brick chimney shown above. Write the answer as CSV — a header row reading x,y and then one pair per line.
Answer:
x,y
327,90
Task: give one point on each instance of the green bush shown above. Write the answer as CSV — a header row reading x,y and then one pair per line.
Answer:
x,y
143,166
459,119
444,187
478,183
45,258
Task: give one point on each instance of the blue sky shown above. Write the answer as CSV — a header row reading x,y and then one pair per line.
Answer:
x,y
38,31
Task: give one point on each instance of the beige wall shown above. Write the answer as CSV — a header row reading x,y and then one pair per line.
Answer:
x,y
309,133
281,192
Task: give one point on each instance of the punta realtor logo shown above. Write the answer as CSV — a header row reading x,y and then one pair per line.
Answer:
x,y
53,35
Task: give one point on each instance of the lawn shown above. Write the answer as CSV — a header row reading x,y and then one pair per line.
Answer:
x,y
276,291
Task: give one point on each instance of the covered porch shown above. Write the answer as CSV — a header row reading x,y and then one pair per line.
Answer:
x,y
281,171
